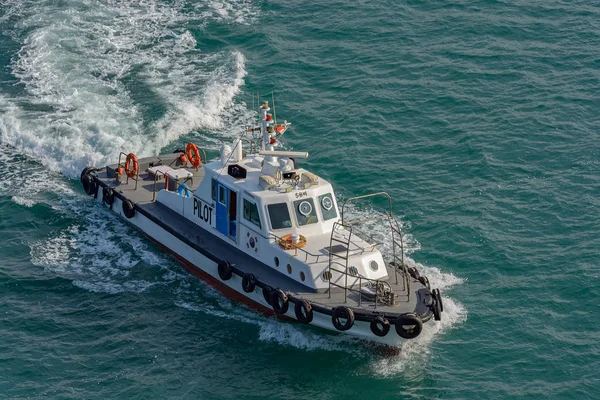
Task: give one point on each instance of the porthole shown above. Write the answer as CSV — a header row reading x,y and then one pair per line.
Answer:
x,y
289,268
302,276
327,203
276,259
353,271
305,208
325,276
373,265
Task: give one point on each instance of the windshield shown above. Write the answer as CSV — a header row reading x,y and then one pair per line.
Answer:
x,y
327,208
279,216
305,211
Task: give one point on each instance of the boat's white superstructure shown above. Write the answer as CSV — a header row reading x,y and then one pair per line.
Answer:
x,y
268,233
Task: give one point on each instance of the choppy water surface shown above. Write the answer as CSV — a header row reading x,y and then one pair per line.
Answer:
x,y
480,119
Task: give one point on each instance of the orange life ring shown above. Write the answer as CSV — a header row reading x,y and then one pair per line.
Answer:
x,y
131,172
193,155
286,242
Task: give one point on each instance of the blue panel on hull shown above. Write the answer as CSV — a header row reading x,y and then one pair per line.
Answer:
x,y
221,209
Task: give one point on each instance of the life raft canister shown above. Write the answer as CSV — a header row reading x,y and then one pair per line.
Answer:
x,y
193,155
131,165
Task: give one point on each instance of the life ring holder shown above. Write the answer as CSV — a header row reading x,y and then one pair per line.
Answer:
x,y
285,242
135,166
193,155
130,167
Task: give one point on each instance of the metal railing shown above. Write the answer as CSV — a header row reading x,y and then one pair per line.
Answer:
x,y
166,176
397,248
379,286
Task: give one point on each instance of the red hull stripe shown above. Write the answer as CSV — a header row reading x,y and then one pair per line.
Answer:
x,y
220,286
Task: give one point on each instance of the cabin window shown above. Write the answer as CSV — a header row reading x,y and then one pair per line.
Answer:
x,y
305,211
222,195
327,206
279,216
251,213
213,189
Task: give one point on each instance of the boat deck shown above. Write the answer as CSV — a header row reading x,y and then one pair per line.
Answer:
x,y
155,173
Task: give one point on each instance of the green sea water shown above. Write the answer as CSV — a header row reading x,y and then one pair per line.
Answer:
x,y
481,119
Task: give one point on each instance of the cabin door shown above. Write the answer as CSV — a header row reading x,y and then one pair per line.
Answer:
x,y
226,210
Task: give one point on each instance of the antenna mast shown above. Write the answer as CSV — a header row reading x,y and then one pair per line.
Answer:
x,y
274,110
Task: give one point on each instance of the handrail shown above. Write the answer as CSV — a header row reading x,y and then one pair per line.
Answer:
x,y
360,284
364,197
166,176
296,248
395,229
276,238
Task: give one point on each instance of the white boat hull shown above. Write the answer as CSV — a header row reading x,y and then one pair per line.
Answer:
x,y
207,270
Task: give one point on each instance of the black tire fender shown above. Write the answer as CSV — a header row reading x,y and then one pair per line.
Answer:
x,y
89,185
408,326
340,313
414,273
438,297
304,311
225,270
424,281
108,196
86,172
267,293
249,283
437,313
128,208
279,302
380,326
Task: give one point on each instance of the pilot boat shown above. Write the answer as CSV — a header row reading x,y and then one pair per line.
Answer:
x,y
269,234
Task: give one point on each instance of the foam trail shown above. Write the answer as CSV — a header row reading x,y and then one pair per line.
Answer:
x,y
415,351
86,73
270,330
